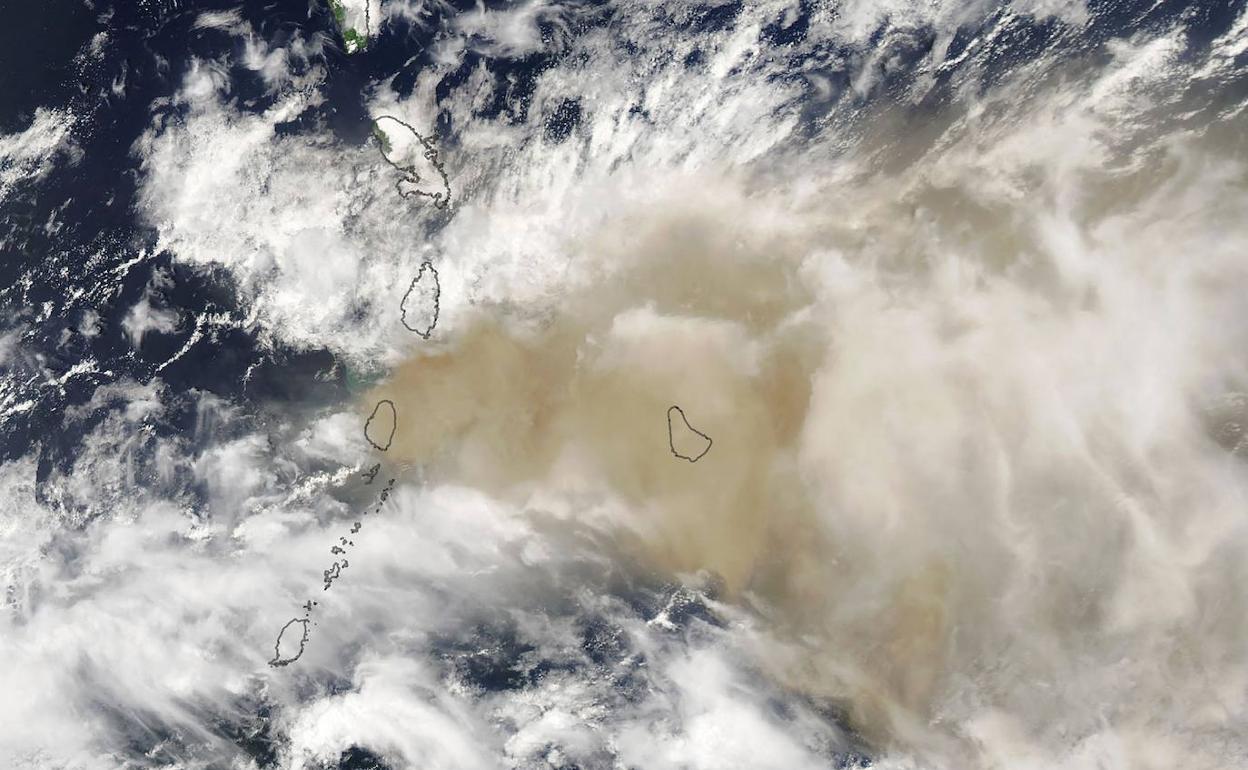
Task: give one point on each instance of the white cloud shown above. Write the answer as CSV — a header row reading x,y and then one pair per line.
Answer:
x,y
31,154
143,318
723,723
988,517
400,712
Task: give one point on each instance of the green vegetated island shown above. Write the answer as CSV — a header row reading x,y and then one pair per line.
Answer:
x,y
355,23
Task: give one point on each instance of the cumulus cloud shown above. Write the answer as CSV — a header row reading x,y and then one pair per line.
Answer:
x,y
400,712
144,317
29,155
306,225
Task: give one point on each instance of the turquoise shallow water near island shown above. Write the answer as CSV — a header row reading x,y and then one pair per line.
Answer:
x,y
659,385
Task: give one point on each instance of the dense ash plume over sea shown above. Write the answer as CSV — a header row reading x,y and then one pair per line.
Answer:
x,y
671,385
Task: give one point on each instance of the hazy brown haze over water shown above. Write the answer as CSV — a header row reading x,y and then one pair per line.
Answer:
x,y
958,290
975,399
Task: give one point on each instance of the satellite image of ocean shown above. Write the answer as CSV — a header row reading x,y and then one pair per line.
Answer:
x,y
629,385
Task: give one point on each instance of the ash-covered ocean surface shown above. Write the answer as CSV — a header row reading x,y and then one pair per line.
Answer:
x,y
643,385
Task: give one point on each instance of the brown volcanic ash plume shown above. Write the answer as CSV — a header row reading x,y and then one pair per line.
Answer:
x,y
580,403
915,472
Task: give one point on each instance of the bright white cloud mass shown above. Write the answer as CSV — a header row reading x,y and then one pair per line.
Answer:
x,y
956,289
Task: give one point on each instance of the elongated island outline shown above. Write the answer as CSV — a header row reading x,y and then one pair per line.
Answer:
x,y
278,661
427,273
411,176
383,412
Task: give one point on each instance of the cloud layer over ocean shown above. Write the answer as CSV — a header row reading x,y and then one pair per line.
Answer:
x,y
962,314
